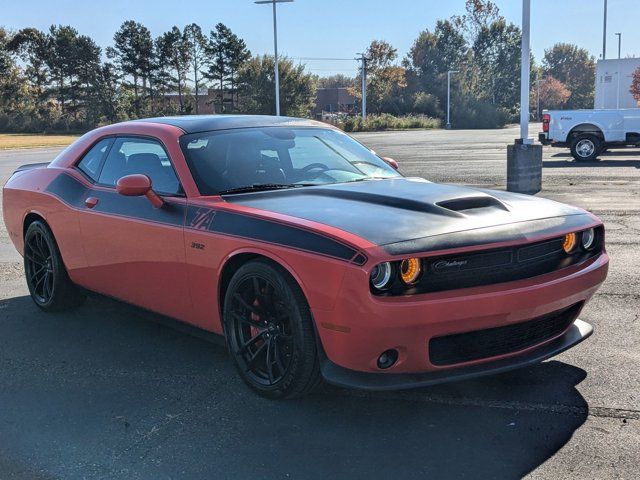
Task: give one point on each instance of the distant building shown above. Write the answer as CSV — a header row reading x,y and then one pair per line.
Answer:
x,y
613,80
333,100
208,99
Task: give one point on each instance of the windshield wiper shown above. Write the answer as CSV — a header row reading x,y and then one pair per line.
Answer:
x,y
261,187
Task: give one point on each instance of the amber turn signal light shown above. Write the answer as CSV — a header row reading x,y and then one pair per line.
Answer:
x,y
410,270
569,242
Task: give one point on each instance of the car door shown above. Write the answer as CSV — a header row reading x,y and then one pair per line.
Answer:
x,y
134,251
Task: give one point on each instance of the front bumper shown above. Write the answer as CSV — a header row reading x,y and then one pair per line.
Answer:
x,y
343,377
361,326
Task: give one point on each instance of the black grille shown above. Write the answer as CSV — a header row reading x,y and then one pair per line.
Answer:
x,y
492,342
493,266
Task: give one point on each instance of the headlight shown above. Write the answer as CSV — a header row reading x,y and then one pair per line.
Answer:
x,y
410,270
569,242
588,239
381,275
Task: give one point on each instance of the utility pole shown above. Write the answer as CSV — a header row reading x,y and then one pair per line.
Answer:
x,y
364,59
449,73
275,48
618,70
604,33
619,44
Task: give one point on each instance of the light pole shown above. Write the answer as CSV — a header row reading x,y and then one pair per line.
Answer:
x,y
449,73
275,47
524,158
604,33
524,71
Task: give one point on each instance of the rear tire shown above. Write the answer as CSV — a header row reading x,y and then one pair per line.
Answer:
x,y
270,332
586,147
49,284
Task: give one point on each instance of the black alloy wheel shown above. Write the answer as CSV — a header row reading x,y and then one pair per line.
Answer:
x,y
47,278
269,331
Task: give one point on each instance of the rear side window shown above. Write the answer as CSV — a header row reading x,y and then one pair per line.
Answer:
x,y
90,163
131,155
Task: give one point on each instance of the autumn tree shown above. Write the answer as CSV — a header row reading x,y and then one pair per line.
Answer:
x,y
635,86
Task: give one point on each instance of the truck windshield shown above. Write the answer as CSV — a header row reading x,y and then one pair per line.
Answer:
x,y
232,161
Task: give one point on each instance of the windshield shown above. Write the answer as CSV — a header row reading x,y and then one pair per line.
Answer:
x,y
227,161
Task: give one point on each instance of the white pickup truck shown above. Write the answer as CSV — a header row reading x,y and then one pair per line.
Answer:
x,y
588,133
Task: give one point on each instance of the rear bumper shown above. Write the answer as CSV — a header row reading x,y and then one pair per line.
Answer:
x,y
544,139
344,377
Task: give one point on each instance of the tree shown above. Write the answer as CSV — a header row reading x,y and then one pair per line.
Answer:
x,y
227,54
257,86
553,94
31,46
635,86
385,79
134,55
575,68
237,56
337,81
496,60
197,44
177,52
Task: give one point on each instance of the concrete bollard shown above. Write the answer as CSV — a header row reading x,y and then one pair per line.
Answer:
x,y
524,168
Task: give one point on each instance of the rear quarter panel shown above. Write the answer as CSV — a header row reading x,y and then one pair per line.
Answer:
x,y
25,193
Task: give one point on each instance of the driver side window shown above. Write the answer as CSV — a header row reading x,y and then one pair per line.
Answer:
x,y
130,155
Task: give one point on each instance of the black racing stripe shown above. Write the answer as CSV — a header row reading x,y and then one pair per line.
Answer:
x,y
266,231
69,190
74,193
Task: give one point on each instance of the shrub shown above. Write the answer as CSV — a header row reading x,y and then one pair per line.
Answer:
x,y
471,113
386,121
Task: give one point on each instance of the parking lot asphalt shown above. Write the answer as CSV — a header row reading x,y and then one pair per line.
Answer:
x,y
108,391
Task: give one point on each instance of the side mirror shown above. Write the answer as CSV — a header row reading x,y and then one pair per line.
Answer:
x,y
137,185
391,162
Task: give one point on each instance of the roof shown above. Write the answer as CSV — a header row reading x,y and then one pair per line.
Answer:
x,y
205,123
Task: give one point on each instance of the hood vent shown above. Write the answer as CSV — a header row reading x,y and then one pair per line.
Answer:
x,y
465,204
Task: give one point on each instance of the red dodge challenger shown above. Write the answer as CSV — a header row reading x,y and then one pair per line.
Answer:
x,y
312,255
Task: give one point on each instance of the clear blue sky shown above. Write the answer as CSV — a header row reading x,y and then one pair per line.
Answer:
x,y
331,28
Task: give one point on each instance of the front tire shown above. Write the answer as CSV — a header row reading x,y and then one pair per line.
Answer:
x,y
586,147
270,332
47,278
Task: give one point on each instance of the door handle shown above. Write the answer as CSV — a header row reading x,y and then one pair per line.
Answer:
x,y
91,202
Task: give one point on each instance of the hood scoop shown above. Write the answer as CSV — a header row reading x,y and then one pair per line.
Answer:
x,y
472,204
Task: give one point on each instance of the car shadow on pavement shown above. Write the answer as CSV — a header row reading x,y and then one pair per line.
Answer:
x,y
109,391
607,159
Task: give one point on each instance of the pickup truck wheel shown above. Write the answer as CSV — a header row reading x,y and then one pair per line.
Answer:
x,y
586,147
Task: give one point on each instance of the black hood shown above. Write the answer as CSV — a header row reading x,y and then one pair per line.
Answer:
x,y
406,215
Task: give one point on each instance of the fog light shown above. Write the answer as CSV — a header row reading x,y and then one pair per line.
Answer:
x,y
388,358
588,239
569,242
